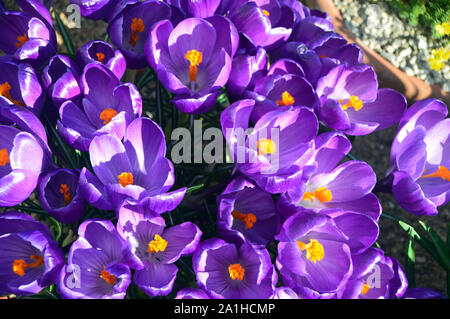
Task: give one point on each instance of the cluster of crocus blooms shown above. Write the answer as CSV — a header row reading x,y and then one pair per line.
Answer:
x,y
295,221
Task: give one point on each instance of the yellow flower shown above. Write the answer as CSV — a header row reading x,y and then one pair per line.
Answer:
x,y
438,58
443,28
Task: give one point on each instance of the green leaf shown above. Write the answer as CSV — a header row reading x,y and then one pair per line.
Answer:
x,y
66,37
194,188
410,262
440,246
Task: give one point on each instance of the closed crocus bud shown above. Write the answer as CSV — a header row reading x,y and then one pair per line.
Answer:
x,y
61,79
21,162
31,260
28,35
59,195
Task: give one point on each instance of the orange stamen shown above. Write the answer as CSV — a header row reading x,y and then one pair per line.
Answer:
x,y
266,146
322,194
365,288
442,172
354,102
125,179
106,276
286,99
64,189
4,157
195,58
107,115
5,89
100,57
236,271
21,39
248,219
137,26
19,265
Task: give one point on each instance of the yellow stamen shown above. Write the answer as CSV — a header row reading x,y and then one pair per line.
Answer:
x,y
157,245
100,57
248,219
137,26
125,179
314,250
236,271
64,189
354,102
107,115
4,157
365,288
266,146
195,58
21,39
322,194
442,172
5,89
286,99
19,265
267,13
106,276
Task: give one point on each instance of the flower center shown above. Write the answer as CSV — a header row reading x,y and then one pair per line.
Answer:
x,y
21,39
195,58
4,157
236,271
322,194
106,276
156,245
248,219
267,13
137,26
64,189
125,179
100,57
365,288
438,58
353,102
19,265
107,115
314,250
286,99
5,89
266,146
442,172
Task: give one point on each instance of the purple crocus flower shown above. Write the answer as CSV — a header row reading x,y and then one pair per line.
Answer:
x,y
351,102
30,260
192,293
21,162
97,264
420,161
135,169
187,65
131,26
277,148
375,276
313,253
102,52
155,248
226,271
20,86
327,185
107,107
60,78
199,8
28,35
59,195
246,212
96,9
